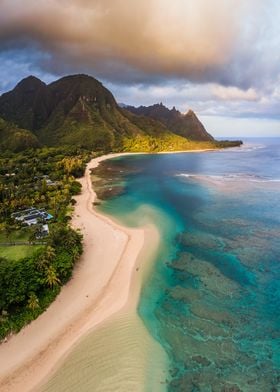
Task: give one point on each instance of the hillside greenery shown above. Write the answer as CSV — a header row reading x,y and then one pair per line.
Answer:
x,y
13,138
185,125
168,142
79,111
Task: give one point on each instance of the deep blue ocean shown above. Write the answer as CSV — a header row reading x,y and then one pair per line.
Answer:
x,y
213,297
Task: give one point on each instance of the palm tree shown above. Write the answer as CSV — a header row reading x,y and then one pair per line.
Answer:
x,y
50,253
46,258
33,302
51,277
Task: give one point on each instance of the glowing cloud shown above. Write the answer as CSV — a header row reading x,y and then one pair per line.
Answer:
x,y
195,39
234,94
220,57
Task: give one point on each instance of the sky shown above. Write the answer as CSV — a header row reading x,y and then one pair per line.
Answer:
x,y
220,58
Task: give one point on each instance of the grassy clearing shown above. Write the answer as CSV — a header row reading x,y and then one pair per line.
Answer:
x,y
18,252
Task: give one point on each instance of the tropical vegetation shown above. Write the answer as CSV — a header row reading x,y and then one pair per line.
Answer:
x,y
33,268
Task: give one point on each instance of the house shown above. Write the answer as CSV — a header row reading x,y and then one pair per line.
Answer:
x,y
32,216
43,231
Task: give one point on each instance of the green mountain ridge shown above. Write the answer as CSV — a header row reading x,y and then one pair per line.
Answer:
x,y
186,125
78,110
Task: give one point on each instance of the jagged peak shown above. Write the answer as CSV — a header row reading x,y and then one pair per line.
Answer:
x,y
160,106
190,113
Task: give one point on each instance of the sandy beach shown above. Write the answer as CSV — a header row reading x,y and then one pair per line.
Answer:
x,y
100,288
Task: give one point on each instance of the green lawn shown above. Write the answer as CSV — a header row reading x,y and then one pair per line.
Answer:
x,y
18,251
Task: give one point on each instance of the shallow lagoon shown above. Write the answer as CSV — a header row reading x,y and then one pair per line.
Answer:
x,y
213,297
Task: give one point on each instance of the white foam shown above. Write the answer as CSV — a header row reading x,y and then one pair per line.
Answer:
x,y
243,148
228,177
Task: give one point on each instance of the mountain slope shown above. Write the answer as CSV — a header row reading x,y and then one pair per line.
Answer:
x,y
186,125
85,113
16,139
27,105
78,110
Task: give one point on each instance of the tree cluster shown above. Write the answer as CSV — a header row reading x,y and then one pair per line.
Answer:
x,y
43,178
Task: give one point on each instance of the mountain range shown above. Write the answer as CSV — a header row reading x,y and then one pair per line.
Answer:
x,y
78,110
186,125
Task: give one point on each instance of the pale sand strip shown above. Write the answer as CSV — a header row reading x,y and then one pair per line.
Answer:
x,y
101,286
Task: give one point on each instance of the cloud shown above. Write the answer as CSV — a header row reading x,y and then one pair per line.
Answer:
x,y
16,64
147,40
205,99
218,57
234,93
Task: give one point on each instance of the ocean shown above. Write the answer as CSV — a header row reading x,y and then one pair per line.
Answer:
x,y
212,299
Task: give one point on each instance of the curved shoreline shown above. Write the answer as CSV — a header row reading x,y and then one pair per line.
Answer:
x,y
29,357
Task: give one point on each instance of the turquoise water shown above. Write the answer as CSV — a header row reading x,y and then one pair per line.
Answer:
x,y
213,297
